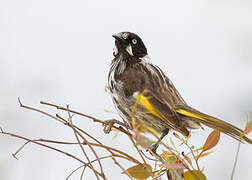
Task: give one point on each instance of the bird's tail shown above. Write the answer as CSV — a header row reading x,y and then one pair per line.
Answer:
x,y
213,122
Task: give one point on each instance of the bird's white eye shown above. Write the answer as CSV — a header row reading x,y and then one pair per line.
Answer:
x,y
134,41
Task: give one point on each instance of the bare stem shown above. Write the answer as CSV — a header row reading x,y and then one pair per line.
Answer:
x,y
78,140
101,158
84,115
236,160
49,147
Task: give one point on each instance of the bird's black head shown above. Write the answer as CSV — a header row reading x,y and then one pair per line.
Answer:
x,y
130,43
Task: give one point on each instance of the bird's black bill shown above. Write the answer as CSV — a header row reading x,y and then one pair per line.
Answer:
x,y
119,37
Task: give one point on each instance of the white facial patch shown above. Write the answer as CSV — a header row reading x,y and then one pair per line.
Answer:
x,y
129,50
125,35
115,50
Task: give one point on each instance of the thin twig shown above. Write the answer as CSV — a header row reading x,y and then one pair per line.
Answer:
x,y
82,173
19,149
65,122
101,158
72,111
194,157
140,153
49,147
123,154
78,140
74,171
151,159
37,110
236,160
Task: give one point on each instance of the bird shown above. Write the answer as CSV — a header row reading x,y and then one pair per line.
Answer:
x,y
132,73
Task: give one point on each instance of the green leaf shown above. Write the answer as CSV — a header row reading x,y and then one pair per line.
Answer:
x,y
194,175
139,172
169,157
175,174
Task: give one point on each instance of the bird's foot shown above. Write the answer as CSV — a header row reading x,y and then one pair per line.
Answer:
x,y
154,146
108,124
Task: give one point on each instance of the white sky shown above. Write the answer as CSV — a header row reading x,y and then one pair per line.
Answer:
x,y
60,51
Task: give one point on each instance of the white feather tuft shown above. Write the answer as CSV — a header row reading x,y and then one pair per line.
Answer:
x,y
129,50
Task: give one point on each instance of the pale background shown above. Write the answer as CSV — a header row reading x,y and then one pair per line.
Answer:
x,y
59,51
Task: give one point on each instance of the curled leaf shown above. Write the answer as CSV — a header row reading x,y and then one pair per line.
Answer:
x,y
139,172
212,140
194,175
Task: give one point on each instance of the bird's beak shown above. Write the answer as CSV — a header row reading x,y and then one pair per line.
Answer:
x,y
119,37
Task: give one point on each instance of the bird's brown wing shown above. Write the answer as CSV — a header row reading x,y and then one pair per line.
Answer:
x,y
160,92
147,78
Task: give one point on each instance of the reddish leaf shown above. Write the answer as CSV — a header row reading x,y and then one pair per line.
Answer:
x,y
172,165
194,175
248,128
139,172
212,140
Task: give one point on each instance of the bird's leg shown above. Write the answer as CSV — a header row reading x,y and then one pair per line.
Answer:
x,y
155,146
109,123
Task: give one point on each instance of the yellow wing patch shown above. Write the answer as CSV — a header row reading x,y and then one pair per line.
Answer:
x,y
143,101
186,113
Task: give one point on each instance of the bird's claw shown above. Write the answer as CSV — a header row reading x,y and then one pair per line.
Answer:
x,y
108,124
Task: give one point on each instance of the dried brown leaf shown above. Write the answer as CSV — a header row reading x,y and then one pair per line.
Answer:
x,y
212,140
